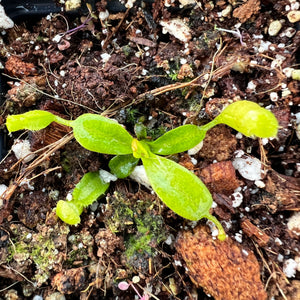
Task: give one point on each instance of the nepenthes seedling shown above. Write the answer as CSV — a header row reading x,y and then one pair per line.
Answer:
x,y
180,189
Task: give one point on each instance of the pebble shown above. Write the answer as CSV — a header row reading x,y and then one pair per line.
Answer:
x,y
226,11
274,28
294,16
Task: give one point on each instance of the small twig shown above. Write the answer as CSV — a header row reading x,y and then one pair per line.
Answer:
x,y
113,32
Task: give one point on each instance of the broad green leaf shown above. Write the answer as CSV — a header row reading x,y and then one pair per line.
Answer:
x,y
178,188
68,212
88,189
250,119
123,165
100,134
32,120
178,140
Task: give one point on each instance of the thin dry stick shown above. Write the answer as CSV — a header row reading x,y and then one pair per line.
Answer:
x,y
4,198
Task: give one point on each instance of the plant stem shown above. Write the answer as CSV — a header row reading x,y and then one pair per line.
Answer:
x,y
63,121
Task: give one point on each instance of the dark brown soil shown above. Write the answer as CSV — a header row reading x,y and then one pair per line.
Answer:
x,y
127,68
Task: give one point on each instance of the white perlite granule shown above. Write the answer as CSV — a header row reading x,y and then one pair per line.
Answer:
x,y
293,223
106,176
290,267
21,149
5,21
139,175
249,167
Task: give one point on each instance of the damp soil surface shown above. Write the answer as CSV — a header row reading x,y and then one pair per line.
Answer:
x,y
160,64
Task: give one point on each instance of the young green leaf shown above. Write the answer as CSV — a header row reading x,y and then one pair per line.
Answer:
x,y
250,119
178,140
68,212
180,189
89,188
100,134
123,165
32,120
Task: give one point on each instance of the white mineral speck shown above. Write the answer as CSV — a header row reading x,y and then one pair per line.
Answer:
x,y
290,267
194,161
213,228
21,149
3,188
178,263
237,199
238,237
69,196
5,21
294,5
293,223
169,240
105,57
264,46
103,15
260,184
288,72
280,257
106,176
251,85
245,252
239,135
297,260
139,175
274,96
177,28
129,3
278,241
248,167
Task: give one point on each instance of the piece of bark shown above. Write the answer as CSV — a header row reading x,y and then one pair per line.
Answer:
x,y
260,237
223,269
284,193
220,177
16,67
247,10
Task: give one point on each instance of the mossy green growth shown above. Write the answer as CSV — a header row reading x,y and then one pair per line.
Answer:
x,y
39,248
142,227
150,232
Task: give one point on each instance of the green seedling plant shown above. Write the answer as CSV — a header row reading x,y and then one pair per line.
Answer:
x,y
181,190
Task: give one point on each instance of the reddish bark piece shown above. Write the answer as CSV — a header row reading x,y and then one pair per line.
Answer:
x,y
258,235
16,67
69,281
245,11
220,177
223,269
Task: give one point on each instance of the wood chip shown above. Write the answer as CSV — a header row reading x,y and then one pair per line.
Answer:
x,y
260,237
245,11
220,177
223,269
